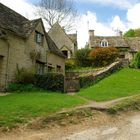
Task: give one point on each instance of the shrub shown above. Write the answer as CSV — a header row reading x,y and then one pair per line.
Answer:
x,y
50,81
103,56
136,61
22,87
70,64
82,57
23,76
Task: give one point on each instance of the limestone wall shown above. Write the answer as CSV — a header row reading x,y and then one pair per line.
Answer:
x,y
56,60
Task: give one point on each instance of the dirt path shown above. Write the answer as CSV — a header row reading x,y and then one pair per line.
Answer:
x,y
102,126
98,105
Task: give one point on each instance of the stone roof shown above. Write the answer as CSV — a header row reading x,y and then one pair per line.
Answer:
x,y
52,46
73,37
115,41
16,23
134,43
11,20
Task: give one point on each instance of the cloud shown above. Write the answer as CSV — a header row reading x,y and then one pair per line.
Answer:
x,y
117,24
87,22
133,16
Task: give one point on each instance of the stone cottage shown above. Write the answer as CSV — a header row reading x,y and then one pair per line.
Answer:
x,y
24,44
127,46
67,43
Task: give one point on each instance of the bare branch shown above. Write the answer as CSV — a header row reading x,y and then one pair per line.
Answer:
x,y
53,11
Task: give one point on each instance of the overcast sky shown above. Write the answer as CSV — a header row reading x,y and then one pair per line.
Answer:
x,y
104,16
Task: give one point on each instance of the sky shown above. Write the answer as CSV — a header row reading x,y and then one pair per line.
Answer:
x,y
106,17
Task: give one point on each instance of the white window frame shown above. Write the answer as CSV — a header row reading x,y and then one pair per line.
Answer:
x,y
104,43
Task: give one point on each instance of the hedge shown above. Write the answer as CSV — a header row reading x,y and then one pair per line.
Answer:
x,y
50,81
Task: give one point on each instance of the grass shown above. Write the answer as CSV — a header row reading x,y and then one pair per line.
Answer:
x,y
126,105
19,107
123,83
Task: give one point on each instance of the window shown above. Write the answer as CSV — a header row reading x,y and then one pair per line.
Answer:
x,y
58,68
65,53
39,38
40,68
104,43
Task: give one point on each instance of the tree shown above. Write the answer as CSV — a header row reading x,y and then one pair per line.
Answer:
x,y
132,33
82,57
61,11
137,32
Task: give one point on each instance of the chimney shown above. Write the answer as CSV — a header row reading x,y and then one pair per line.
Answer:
x,y
120,33
91,37
91,33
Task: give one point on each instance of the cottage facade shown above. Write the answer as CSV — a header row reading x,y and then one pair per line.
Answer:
x,y
25,45
67,43
127,46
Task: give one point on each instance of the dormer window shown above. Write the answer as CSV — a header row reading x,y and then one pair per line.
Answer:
x,y
104,43
39,38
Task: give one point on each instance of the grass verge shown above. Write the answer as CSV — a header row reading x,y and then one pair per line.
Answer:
x,y
126,105
19,108
120,84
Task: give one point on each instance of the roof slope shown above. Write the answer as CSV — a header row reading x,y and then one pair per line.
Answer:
x,y
115,41
52,46
13,21
73,37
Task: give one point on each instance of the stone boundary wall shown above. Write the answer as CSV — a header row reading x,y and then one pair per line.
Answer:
x,y
76,80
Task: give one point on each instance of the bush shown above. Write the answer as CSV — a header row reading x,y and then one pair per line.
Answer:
x,y
50,81
70,64
136,61
103,56
22,87
82,57
23,76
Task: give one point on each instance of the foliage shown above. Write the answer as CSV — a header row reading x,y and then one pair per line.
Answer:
x,y
70,64
122,83
136,61
126,105
22,87
132,33
24,76
102,56
50,81
82,57
58,11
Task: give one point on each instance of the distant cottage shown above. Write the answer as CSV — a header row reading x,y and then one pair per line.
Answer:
x,y
25,44
67,43
127,46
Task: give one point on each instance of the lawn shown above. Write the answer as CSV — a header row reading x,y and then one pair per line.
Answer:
x,y
126,82
19,107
